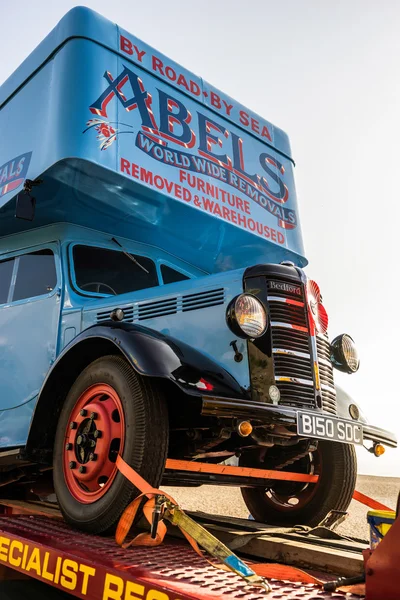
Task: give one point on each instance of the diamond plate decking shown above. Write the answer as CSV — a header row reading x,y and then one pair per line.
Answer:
x,y
172,571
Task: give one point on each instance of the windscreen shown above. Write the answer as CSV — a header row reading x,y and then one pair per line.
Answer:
x,y
111,272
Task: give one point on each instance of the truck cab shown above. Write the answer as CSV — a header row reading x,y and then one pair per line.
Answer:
x,y
153,297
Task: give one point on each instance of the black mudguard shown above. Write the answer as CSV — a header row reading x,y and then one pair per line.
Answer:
x,y
153,354
150,354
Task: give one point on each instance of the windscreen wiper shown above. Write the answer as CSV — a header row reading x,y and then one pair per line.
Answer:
x,y
133,259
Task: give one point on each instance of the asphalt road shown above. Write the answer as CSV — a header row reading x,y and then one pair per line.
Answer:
x,y
228,501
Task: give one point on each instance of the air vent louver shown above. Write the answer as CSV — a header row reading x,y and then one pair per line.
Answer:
x,y
168,306
150,310
203,299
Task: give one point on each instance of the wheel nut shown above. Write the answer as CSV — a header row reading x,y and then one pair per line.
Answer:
x,y
93,443
68,446
72,464
97,434
83,412
82,469
73,425
92,456
93,416
79,440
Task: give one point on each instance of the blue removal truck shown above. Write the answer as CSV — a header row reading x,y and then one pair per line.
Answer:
x,y
153,301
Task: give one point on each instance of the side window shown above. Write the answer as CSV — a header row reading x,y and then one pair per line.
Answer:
x,y
170,275
6,270
36,275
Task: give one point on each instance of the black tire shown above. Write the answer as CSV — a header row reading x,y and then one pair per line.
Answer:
x,y
336,465
145,446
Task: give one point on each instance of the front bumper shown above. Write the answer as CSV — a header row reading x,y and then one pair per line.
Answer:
x,y
270,414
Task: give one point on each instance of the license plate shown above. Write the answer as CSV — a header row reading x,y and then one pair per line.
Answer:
x,y
315,425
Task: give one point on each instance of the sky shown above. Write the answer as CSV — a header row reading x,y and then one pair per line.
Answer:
x,y
328,73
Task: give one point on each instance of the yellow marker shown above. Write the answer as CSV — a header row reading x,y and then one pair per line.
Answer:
x,y
316,371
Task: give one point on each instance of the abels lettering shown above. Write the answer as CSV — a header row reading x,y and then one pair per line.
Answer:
x,y
174,125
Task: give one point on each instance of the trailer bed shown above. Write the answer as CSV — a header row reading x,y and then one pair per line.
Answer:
x,y
95,568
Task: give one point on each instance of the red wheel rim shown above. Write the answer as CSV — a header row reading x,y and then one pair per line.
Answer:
x,y
94,436
289,497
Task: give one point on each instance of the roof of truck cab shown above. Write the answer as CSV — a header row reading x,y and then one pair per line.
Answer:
x,y
82,22
69,233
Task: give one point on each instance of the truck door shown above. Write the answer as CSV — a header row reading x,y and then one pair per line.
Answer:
x,y
29,321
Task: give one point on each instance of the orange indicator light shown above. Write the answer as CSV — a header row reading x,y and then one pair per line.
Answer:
x,y
244,428
379,449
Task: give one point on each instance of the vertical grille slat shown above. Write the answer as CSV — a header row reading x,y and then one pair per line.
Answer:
x,y
326,375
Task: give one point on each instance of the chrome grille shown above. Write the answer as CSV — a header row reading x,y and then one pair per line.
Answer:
x,y
323,346
283,337
292,353
329,401
297,366
326,375
282,312
294,395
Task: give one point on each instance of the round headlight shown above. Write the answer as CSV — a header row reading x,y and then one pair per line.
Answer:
x,y
344,355
247,317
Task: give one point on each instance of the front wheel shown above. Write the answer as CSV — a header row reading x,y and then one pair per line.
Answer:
x,y
109,410
292,503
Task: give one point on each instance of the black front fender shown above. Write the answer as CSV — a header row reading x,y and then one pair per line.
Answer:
x,y
150,354
153,354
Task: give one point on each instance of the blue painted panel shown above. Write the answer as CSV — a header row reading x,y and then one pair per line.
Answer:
x,y
137,147
141,147
82,22
204,328
15,424
28,346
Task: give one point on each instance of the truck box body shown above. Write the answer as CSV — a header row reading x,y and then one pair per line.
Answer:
x,y
128,142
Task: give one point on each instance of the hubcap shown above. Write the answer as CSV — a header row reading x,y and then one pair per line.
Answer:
x,y
287,496
94,436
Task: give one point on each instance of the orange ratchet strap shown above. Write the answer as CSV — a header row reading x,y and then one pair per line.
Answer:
x,y
167,508
254,574
162,506
374,504
198,467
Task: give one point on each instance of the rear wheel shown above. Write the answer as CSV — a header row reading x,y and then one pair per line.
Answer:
x,y
110,410
292,503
